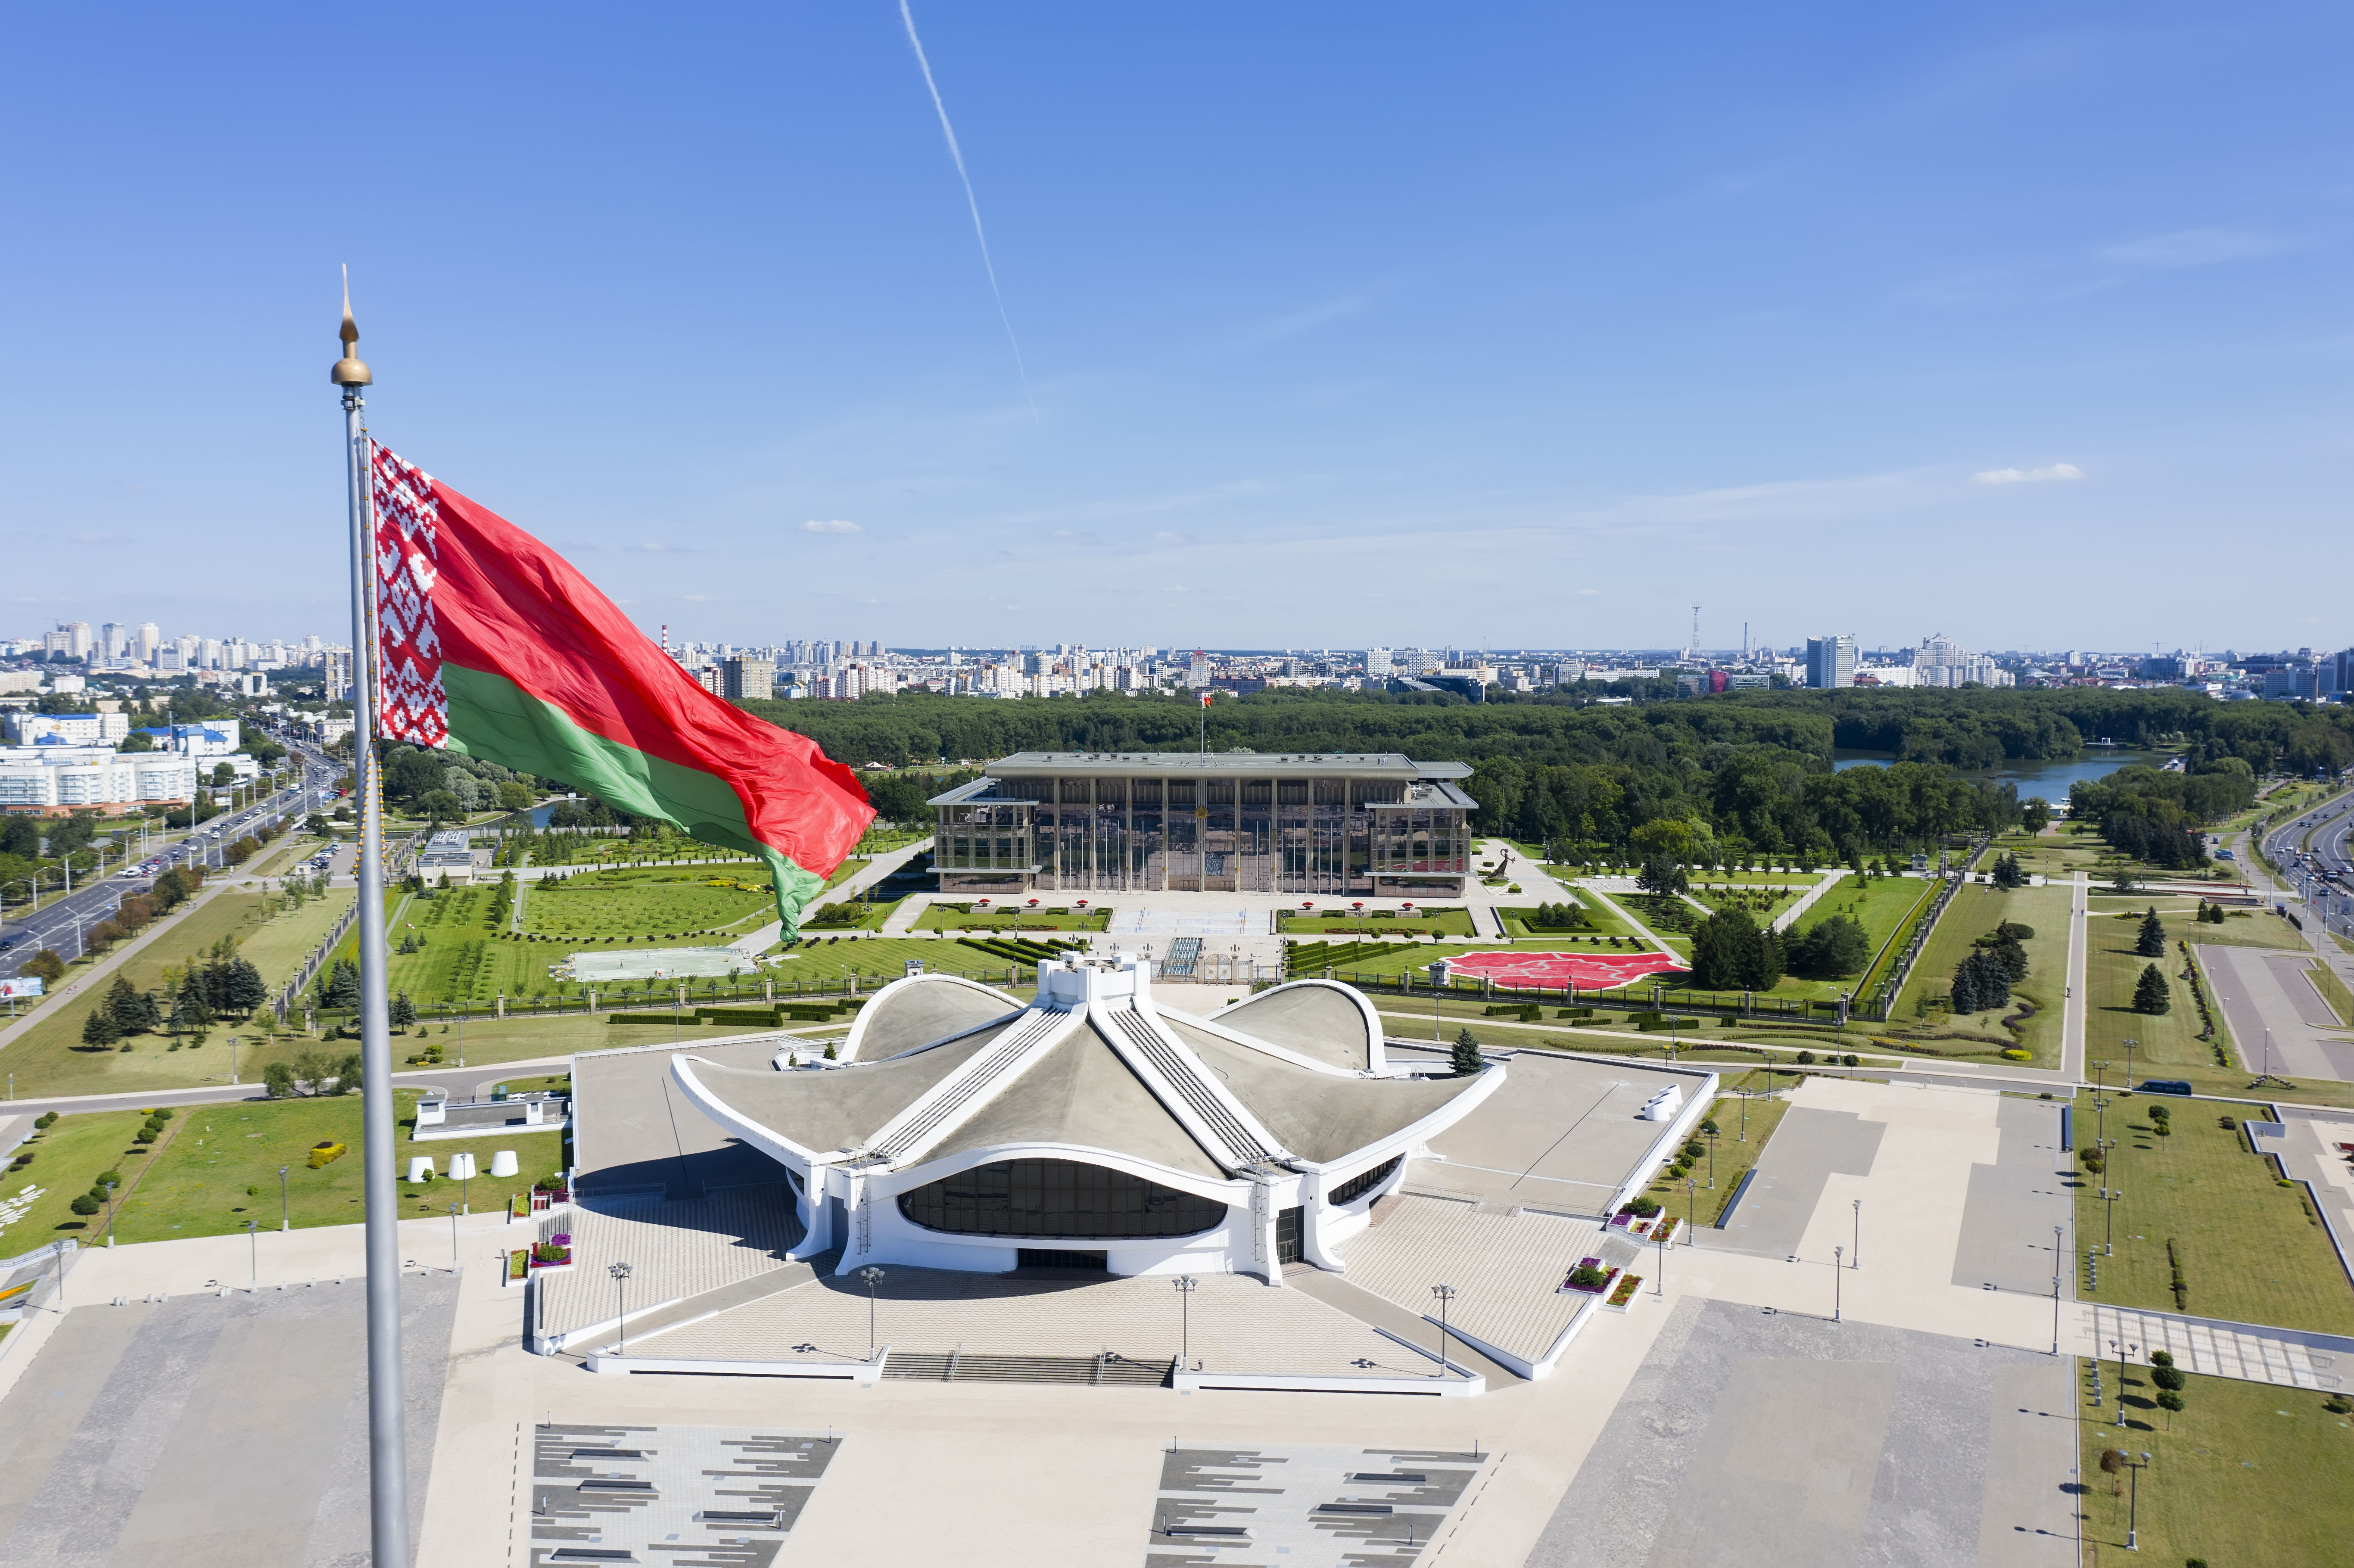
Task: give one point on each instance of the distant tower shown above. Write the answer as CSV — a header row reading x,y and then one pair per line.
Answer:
x,y
1693,650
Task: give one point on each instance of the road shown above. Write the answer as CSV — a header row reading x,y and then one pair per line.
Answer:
x,y
62,925
2321,877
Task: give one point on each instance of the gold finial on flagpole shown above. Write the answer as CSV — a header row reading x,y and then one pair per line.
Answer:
x,y
349,371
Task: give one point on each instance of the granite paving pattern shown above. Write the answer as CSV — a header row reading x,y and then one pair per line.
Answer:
x,y
1755,1440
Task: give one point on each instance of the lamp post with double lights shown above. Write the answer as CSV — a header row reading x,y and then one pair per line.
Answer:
x,y
620,1276
1186,1285
1444,1294
874,1276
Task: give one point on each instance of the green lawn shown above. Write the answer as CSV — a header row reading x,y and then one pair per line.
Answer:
x,y
2248,1473
1733,1152
2249,1249
1977,910
200,1185
68,1159
624,905
49,1057
1762,899
286,935
1012,917
1443,922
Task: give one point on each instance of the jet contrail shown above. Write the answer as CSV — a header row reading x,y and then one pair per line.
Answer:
x,y
956,154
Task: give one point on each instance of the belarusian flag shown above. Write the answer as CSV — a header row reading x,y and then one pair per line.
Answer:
x,y
490,643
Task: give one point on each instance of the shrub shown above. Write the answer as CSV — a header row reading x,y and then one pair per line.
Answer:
x,y
46,1120
1849,1060
2094,1164
2339,1404
1805,1058
1695,1149
87,1205
2168,1377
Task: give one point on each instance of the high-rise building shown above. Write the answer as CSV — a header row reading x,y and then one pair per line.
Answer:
x,y
1377,661
744,679
115,639
339,673
1831,662
146,640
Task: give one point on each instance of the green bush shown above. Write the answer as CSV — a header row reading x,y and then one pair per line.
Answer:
x,y
46,1120
87,1205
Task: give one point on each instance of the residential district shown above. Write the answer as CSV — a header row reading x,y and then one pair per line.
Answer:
x,y
1798,1105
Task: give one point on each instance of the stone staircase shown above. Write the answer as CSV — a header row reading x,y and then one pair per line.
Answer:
x,y
1106,1369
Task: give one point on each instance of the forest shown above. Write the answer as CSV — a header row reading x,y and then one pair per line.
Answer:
x,y
1739,774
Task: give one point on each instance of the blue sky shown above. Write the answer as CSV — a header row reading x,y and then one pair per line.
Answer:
x,y
1374,323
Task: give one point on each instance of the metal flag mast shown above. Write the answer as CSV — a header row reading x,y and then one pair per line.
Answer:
x,y
387,1425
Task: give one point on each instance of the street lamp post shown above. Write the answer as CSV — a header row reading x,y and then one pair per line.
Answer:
x,y
253,1244
2122,1350
621,1273
874,1276
1186,1285
109,1213
1444,1293
2133,1507
1838,1280
284,1222
2057,1255
1855,1258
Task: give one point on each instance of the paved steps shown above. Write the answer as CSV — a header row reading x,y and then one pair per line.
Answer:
x,y
1108,1369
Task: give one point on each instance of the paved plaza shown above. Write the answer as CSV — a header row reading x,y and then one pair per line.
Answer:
x,y
210,1430
2016,1204
1810,1147
1753,1438
1365,1508
689,1496
2265,990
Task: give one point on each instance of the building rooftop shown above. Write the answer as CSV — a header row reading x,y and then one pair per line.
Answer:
x,y
1255,764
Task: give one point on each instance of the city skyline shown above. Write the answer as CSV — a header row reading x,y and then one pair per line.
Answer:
x,y
1786,309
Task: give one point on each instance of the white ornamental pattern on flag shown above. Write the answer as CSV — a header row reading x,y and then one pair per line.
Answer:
x,y
411,703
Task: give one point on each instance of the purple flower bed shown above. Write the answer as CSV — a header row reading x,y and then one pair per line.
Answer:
x,y
1595,1280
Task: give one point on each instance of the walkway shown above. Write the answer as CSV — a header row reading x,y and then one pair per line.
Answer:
x,y
2293,1358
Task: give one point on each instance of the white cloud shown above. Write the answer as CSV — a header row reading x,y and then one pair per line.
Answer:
x,y
1589,593
2030,475
1167,538
830,525
2192,248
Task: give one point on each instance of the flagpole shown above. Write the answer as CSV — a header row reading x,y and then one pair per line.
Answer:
x,y
387,1424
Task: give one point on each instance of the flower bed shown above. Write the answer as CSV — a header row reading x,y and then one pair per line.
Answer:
x,y
1588,1278
555,1252
1620,1298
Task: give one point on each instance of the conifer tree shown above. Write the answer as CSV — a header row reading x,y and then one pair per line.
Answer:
x,y
2151,993
2151,943
1466,1054
1966,990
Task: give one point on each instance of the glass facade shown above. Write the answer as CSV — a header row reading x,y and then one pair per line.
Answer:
x,y
1224,831
1060,1198
1357,1186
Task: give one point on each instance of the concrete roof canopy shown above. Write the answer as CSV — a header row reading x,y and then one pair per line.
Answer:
x,y
1320,1019
1093,1071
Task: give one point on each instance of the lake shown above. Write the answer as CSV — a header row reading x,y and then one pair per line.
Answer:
x,y
2049,779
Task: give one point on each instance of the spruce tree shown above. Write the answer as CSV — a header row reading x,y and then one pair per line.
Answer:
x,y
1467,1054
99,1028
2151,944
123,1005
402,1012
1966,990
2151,993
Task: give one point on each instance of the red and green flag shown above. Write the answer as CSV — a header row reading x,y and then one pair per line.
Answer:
x,y
490,644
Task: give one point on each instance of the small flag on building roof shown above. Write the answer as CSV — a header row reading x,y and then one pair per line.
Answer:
x,y
492,644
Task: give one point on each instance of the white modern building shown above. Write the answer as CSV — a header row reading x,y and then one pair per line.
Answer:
x,y
964,1130
72,729
52,778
